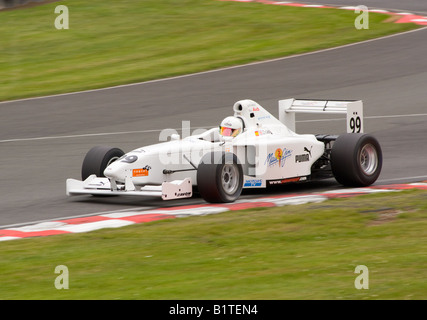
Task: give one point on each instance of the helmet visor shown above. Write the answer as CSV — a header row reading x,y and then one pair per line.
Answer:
x,y
229,132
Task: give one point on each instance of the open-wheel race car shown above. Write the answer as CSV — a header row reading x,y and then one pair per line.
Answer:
x,y
251,149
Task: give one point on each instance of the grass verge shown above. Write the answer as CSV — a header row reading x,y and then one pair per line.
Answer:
x,y
292,252
117,42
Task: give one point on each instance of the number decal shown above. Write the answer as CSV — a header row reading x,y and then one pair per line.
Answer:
x,y
355,117
355,124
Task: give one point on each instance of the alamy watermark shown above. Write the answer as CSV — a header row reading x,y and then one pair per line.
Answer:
x,y
362,21
362,280
62,281
195,143
62,21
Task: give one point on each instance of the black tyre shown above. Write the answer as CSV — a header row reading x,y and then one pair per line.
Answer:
x,y
97,159
219,177
356,159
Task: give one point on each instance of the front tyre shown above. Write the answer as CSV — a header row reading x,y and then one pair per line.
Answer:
x,y
219,177
356,159
97,159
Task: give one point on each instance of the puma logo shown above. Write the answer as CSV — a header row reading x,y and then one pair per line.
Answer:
x,y
308,151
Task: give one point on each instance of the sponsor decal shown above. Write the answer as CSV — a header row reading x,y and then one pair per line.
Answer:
x,y
253,183
262,132
255,109
305,156
97,184
302,157
183,194
143,172
278,157
288,180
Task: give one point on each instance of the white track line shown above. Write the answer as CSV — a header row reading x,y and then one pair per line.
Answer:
x,y
191,128
79,135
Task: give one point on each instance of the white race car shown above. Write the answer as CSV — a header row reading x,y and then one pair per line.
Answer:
x,y
251,149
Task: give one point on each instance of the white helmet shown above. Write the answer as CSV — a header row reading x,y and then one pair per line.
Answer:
x,y
230,127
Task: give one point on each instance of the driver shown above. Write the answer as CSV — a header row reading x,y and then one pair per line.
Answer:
x,y
230,127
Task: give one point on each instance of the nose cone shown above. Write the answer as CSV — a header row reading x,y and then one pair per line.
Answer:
x,y
115,171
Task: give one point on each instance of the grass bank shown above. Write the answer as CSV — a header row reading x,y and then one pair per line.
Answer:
x,y
292,252
116,42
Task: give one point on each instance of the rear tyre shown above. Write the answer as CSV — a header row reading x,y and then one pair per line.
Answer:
x,y
356,159
220,177
97,159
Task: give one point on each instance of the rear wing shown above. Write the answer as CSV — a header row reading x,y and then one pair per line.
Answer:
x,y
353,109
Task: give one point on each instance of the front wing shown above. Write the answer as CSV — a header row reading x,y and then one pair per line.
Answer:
x,y
103,186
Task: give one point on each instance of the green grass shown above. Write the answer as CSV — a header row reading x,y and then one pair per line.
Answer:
x,y
118,42
292,252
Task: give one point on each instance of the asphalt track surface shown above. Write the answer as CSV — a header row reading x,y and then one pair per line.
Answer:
x,y
44,140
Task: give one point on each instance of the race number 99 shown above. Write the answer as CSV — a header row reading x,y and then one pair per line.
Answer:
x,y
355,124
355,117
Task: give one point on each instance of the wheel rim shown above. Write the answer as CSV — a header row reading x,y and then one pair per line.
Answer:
x,y
369,159
229,178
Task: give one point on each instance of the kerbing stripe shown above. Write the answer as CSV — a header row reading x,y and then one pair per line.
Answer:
x,y
124,218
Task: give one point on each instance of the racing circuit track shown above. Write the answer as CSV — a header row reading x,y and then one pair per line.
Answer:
x,y
43,140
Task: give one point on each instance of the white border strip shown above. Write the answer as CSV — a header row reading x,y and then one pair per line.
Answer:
x,y
118,219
